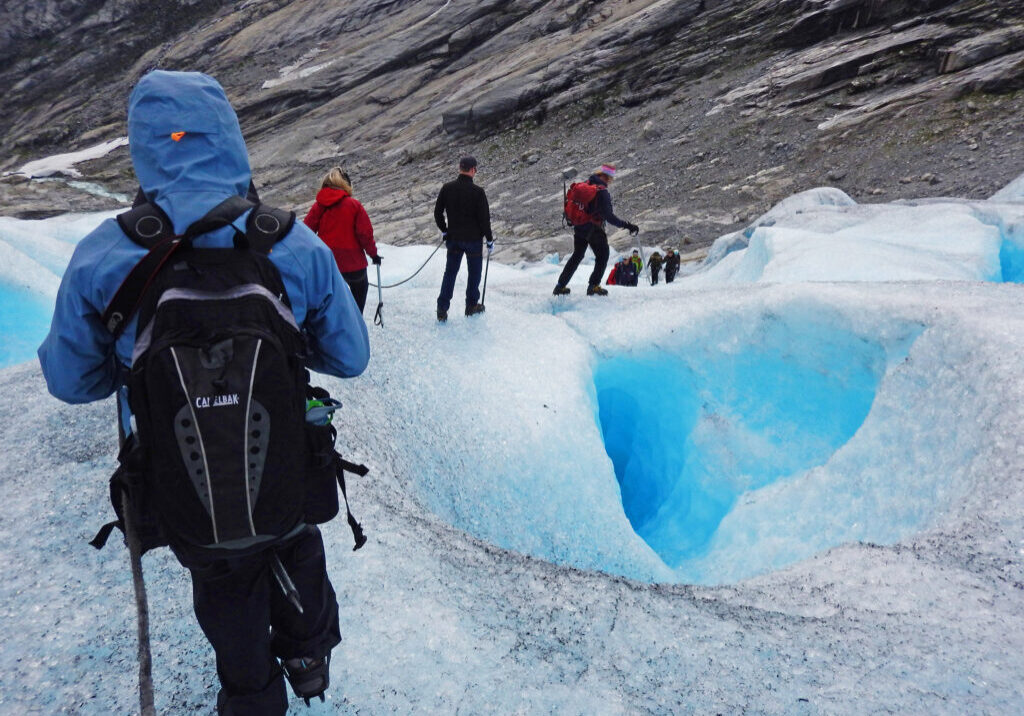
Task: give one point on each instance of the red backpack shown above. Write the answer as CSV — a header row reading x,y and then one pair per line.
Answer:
x,y
577,203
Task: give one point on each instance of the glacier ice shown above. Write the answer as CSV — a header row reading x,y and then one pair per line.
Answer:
x,y
1014,191
815,236
876,567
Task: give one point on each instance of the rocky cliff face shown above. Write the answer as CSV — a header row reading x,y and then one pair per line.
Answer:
x,y
714,108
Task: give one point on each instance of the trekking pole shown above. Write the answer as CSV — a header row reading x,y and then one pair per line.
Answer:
x,y
146,701
483,296
378,317
285,582
642,257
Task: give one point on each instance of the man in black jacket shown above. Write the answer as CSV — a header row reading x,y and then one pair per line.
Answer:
x,y
592,234
672,261
469,221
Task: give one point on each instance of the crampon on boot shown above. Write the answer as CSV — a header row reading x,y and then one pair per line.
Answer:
x,y
596,290
309,677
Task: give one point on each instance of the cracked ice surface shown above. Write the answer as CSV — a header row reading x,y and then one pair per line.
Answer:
x,y
502,574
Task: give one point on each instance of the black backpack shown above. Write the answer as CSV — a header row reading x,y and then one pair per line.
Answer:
x,y
221,455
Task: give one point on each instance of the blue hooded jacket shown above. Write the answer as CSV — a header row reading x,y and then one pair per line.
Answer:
x,y
189,155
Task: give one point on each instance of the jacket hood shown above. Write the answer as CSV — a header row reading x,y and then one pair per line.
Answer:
x,y
595,179
186,144
329,195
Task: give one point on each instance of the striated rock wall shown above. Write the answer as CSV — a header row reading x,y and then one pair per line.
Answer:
x,y
716,107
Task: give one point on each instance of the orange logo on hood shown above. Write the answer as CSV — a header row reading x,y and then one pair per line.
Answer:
x,y
176,136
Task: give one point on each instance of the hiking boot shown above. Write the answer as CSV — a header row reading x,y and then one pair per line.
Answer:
x,y
474,309
442,316
309,677
596,291
561,291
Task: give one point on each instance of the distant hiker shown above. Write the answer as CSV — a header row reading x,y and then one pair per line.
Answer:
x,y
588,206
655,265
213,431
341,222
613,275
671,265
637,262
623,273
468,224
628,272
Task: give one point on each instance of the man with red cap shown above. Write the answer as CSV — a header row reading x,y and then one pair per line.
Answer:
x,y
592,233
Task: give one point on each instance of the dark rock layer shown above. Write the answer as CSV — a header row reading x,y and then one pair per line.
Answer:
x,y
716,108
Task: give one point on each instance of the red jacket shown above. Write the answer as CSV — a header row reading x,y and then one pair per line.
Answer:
x,y
342,223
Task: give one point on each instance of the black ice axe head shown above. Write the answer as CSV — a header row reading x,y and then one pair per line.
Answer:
x,y
569,173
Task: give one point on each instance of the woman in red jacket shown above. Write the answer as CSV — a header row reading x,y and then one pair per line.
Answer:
x,y
341,222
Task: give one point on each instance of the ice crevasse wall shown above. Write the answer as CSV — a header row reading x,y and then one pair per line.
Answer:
x,y
749,442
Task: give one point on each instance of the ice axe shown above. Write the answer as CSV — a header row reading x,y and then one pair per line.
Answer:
x,y
567,174
378,317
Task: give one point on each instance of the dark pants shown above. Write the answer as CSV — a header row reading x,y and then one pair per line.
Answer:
x,y
593,236
250,624
670,274
358,284
655,270
473,251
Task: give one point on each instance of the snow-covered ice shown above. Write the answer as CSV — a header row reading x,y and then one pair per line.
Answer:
x,y
65,163
817,433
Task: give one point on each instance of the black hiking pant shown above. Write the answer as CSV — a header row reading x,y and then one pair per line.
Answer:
x,y
593,236
473,251
670,274
358,284
251,625
655,270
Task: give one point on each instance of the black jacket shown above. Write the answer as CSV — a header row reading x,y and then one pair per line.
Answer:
x,y
469,218
603,204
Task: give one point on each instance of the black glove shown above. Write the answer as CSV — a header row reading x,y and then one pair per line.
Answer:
x,y
376,260
633,229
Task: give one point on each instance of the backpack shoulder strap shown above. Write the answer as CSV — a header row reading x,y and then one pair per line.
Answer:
x,y
266,226
146,224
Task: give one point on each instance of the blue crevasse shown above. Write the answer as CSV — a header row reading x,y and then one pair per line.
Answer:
x,y
691,429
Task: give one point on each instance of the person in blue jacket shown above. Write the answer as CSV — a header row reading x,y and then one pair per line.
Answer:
x,y
81,363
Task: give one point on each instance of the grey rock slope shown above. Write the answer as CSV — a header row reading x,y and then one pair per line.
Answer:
x,y
715,108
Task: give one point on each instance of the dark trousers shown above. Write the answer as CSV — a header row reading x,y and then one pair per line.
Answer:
x,y
358,284
593,236
670,274
655,270
251,625
473,250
